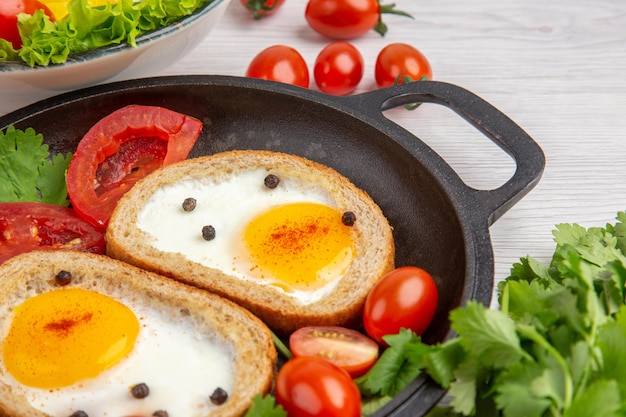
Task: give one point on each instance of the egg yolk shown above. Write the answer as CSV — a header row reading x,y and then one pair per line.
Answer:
x,y
64,336
299,245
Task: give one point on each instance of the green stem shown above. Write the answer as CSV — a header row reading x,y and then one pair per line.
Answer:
x,y
505,299
532,334
281,347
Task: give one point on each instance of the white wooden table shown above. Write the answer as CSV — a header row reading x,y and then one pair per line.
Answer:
x,y
556,67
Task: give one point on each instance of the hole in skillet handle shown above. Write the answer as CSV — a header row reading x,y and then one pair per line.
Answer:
x,y
527,157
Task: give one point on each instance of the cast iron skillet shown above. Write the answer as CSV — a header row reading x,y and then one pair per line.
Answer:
x,y
439,222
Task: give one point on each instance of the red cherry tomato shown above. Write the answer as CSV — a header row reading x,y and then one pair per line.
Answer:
x,y
342,19
9,9
338,68
314,387
404,298
122,148
401,62
25,227
280,63
347,19
348,349
261,8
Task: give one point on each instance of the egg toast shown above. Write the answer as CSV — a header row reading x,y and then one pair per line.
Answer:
x,y
292,240
87,335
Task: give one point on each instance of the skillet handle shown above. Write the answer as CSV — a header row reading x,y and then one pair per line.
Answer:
x,y
528,156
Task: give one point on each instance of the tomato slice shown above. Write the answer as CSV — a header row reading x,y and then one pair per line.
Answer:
x,y
25,227
346,348
121,149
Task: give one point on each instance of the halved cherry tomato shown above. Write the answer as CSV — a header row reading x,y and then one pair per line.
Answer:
x,y
401,62
404,298
9,9
122,148
338,68
25,227
348,349
347,19
280,63
314,387
261,8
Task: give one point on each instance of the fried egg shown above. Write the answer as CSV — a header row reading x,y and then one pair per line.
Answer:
x,y
73,349
290,236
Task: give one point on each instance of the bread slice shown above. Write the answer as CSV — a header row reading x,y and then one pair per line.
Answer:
x,y
371,234
244,335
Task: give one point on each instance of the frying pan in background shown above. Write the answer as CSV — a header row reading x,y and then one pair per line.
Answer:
x,y
440,223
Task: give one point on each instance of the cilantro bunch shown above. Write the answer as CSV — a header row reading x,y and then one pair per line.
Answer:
x,y
556,347
85,28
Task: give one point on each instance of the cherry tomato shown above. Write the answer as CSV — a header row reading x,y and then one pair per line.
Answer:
x,y
404,298
338,68
9,9
261,8
401,62
25,227
348,349
314,387
122,148
347,19
280,63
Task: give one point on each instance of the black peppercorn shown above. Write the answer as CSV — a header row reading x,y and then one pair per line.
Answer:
x,y
63,278
348,218
271,181
140,391
160,413
208,232
79,414
189,204
219,396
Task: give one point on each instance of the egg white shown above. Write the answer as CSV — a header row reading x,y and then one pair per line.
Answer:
x,y
228,206
181,367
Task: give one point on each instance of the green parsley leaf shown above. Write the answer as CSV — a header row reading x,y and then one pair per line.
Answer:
x,y
515,391
398,365
442,360
489,334
370,405
600,399
265,406
26,171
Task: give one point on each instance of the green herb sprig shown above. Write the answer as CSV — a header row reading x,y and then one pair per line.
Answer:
x,y
27,172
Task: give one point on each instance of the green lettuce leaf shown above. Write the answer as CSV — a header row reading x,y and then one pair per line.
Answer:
x,y
86,28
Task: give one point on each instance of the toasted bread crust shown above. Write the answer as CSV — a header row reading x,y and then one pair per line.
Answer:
x,y
255,356
372,234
